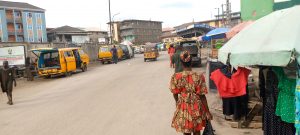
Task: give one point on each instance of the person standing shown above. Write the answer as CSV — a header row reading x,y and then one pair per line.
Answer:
x,y
28,69
7,77
114,53
176,59
171,52
189,89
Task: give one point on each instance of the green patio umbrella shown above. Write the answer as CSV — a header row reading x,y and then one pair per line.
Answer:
x,y
273,40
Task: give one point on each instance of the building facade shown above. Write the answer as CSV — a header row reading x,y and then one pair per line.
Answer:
x,y
141,31
68,34
193,29
116,33
169,35
22,22
196,29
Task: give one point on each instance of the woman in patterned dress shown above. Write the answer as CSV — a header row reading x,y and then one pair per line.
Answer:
x,y
189,89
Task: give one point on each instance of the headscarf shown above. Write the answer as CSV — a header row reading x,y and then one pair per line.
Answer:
x,y
185,57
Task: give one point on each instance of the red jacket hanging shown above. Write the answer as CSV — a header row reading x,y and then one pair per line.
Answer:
x,y
231,87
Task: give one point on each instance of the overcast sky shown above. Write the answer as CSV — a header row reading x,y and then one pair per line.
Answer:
x,y
94,13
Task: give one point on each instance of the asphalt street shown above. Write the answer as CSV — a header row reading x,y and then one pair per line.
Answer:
x,y
128,98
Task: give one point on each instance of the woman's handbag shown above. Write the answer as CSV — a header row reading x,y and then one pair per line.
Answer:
x,y
208,130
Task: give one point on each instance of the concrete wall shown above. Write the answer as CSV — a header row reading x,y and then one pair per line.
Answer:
x,y
90,49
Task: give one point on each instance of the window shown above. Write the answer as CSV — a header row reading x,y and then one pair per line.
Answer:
x,y
20,39
68,54
104,49
81,52
39,27
29,27
29,15
17,14
39,15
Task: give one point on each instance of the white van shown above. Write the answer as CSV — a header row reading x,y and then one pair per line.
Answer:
x,y
130,49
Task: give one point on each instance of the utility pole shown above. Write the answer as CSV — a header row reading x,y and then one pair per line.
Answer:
x,y
110,23
222,14
228,11
218,17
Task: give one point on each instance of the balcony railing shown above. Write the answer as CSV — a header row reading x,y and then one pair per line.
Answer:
x,y
18,20
9,19
126,27
20,32
11,32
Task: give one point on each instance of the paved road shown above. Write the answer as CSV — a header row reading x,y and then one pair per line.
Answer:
x,y
130,98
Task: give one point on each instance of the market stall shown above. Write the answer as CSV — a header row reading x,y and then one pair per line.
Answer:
x,y
215,40
272,44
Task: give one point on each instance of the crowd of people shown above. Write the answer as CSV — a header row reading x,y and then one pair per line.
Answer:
x,y
188,88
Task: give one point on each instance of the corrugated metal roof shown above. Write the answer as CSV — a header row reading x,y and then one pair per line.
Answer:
x,y
66,29
19,5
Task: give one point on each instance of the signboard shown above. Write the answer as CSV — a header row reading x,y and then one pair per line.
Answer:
x,y
14,55
80,39
190,26
101,40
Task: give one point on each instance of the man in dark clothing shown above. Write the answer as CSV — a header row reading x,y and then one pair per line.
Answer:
x,y
114,52
176,59
7,77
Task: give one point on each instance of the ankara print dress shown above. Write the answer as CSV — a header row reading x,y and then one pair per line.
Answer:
x,y
190,114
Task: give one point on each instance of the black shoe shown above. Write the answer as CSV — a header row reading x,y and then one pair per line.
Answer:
x,y
10,103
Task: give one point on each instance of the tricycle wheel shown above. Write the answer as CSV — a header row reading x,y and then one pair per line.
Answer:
x,y
103,62
84,68
47,76
68,74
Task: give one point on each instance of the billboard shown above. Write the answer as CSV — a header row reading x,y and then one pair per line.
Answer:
x,y
14,55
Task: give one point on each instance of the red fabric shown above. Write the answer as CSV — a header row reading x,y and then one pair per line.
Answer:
x,y
234,87
171,51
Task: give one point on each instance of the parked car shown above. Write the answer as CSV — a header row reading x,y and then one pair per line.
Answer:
x,y
105,55
193,46
130,50
63,61
137,50
142,48
125,51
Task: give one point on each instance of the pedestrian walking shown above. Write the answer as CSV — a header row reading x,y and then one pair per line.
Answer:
x,y
189,89
171,52
114,53
7,78
176,59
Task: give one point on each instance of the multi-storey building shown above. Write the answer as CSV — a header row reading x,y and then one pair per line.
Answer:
x,y
22,22
141,31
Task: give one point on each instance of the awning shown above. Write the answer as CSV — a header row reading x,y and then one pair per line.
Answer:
x,y
236,29
217,33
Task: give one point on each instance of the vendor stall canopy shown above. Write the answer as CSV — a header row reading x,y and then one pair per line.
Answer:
x,y
236,29
217,33
273,40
